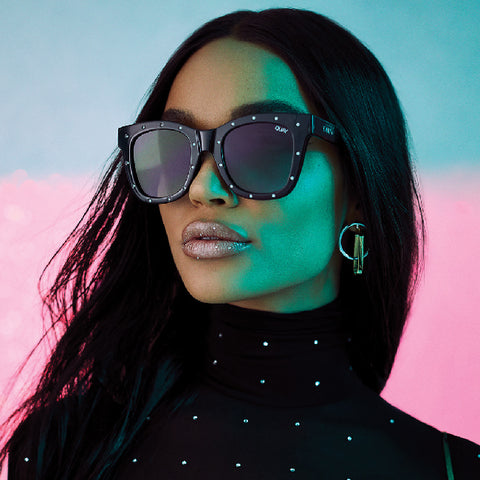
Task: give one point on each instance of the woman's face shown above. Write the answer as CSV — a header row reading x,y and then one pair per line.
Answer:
x,y
287,259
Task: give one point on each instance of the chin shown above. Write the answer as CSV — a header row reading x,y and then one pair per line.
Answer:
x,y
212,297
207,293
215,293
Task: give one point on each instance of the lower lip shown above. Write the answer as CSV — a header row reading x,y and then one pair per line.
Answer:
x,y
205,249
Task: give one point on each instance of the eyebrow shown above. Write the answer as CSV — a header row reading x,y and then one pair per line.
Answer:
x,y
265,106
179,116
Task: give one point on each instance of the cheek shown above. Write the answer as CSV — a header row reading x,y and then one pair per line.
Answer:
x,y
304,224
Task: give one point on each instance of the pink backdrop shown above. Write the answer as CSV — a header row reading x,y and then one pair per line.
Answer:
x,y
436,374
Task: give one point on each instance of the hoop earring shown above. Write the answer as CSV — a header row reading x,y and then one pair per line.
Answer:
x,y
358,246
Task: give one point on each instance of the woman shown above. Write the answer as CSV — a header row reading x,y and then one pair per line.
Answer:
x,y
235,297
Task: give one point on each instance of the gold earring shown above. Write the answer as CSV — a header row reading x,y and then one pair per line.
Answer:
x,y
358,246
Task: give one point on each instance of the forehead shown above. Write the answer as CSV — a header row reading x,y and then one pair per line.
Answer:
x,y
226,74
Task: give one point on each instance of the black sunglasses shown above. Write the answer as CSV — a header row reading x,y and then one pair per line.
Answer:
x,y
258,156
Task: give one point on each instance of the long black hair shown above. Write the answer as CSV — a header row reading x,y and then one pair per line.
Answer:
x,y
131,334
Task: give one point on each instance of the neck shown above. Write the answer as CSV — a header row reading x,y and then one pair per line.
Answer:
x,y
270,358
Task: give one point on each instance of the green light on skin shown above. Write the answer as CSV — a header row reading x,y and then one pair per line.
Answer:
x,y
292,263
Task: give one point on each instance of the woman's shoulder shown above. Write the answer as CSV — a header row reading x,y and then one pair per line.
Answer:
x,y
23,447
50,430
463,455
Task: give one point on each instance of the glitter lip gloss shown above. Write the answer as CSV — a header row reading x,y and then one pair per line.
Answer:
x,y
205,240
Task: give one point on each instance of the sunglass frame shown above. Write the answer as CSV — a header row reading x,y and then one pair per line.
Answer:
x,y
302,126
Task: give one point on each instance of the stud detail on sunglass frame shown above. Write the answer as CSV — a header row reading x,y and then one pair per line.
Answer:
x,y
254,118
297,124
292,178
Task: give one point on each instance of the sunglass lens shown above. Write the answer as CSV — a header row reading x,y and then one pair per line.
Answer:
x,y
161,160
258,157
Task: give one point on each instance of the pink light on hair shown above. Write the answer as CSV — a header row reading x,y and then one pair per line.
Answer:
x,y
35,218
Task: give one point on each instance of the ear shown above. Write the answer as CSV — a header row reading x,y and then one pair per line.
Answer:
x,y
354,211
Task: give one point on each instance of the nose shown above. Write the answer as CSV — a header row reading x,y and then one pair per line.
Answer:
x,y
208,187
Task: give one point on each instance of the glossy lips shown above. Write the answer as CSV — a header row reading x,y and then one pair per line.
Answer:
x,y
204,240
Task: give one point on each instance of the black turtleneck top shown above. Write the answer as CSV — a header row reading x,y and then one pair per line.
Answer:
x,y
279,401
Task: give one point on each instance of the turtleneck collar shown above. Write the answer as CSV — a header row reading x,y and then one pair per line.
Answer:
x,y
294,359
